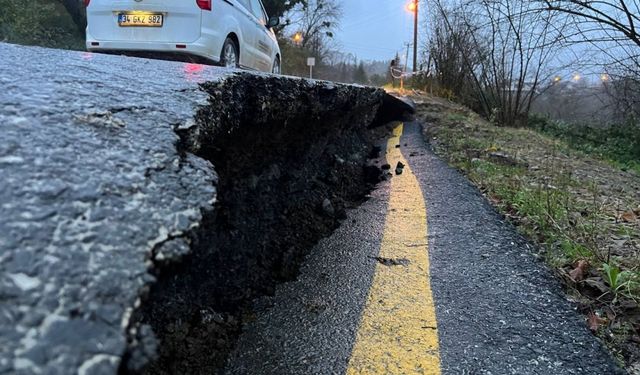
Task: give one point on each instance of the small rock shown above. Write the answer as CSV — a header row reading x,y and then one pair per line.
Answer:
x,y
172,250
210,316
190,123
502,158
327,207
386,167
389,262
101,119
399,168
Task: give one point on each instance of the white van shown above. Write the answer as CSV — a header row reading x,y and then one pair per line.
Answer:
x,y
232,33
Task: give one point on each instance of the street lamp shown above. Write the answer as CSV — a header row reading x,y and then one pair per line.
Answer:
x,y
412,7
297,38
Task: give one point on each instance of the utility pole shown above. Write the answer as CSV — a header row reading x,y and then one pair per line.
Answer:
x,y
404,70
406,59
415,37
413,8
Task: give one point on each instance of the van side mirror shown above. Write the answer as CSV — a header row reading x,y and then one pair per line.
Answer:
x,y
273,22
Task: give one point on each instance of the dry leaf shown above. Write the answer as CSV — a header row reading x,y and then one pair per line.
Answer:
x,y
580,270
594,321
629,217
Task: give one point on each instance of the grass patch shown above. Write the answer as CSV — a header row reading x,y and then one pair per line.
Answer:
x,y
618,144
43,23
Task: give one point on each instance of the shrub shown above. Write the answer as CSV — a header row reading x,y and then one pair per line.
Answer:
x,y
44,23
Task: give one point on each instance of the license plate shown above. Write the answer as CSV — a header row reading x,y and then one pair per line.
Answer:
x,y
140,19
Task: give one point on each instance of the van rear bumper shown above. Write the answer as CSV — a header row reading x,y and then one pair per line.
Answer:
x,y
200,48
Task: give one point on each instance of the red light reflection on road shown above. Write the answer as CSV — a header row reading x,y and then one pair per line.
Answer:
x,y
193,72
87,56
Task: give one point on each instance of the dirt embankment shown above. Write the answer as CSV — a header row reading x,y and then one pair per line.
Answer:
x,y
291,157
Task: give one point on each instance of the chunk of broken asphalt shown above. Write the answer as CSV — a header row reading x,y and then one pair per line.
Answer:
x,y
327,207
392,261
399,168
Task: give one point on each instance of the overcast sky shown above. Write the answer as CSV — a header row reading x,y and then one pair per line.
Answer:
x,y
375,29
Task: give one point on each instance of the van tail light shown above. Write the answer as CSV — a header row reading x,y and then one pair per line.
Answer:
x,y
203,4
86,3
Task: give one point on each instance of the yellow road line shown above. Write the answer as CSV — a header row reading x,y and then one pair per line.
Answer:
x,y
398,329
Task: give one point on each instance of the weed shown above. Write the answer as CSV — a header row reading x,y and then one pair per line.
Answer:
x,y
456,117
620,282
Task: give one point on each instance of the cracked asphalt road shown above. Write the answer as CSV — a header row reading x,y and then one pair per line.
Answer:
x,y
91,186
499,310
99,195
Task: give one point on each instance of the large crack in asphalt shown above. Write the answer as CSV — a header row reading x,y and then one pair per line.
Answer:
x,y
291,156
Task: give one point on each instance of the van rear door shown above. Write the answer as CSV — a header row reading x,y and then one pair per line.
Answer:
x,y
172,21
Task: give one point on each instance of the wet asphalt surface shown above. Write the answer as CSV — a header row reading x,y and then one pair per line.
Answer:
x,y
309,327
499,310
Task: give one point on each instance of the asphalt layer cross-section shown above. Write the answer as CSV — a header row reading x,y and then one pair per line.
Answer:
x,y
499,310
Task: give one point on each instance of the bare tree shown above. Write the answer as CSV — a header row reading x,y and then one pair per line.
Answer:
x,y
318,20
505,47
279,8
620,16
455,56
611,26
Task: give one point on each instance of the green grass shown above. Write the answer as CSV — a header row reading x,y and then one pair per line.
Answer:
x,y
619,144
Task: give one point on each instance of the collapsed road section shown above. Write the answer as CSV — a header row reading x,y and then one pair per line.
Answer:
x,y
146,203
291,156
